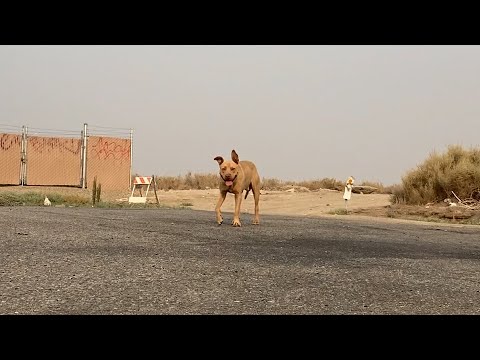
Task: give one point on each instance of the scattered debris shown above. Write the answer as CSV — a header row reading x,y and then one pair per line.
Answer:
x,y
295,188
469,203
364,189
427,205
449,202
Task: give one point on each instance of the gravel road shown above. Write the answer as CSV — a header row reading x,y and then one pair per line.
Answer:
x,y
178,261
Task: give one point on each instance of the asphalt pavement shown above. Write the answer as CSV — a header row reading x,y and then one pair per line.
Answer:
x,y
179,261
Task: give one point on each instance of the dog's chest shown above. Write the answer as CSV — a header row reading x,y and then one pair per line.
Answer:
x,y
235,189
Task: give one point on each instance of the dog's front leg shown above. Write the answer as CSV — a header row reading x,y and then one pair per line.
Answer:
x,y
220,201
236,215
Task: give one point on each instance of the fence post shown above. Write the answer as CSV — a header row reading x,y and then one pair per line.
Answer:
x,y
131,159
83,157
23,158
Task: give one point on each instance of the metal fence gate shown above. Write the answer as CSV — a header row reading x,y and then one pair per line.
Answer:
x,y
66,161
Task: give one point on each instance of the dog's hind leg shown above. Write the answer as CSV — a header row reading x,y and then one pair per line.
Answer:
x,y
256,196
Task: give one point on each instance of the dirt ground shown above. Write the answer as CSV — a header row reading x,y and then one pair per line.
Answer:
x,y
311,203
320,203
295,202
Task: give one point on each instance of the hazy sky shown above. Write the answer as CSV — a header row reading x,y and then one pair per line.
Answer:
x,y
298,112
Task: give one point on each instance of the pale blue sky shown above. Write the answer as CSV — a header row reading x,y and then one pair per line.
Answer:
x,y
298,112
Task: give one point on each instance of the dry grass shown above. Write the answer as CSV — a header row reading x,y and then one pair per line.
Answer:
x,y
210,181
15,198
187,182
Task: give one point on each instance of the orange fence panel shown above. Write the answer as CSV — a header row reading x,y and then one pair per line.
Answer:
x,y
53,161
10,156
109,160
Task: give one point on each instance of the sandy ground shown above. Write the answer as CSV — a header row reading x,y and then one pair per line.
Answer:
x,y
321,203
312,203
293,202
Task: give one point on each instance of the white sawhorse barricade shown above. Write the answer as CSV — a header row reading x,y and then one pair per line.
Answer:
x,y
140,181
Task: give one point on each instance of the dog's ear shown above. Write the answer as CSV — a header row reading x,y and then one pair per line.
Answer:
x,y
219,159
235,157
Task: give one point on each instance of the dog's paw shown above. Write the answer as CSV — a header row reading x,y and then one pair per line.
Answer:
x,y
236,223
256,222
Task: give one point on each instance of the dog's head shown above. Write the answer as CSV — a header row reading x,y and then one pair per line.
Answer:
x,y
228,169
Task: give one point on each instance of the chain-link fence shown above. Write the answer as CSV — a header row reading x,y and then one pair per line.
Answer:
x,y
66,160
10,158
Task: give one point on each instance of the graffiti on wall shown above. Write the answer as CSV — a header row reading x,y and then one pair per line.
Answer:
x,y
110,148
47,144
53,161
108,159
9,140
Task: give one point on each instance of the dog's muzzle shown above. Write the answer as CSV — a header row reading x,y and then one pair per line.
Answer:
x,y
228,182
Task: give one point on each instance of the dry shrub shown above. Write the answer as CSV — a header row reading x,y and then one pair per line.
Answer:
x,y
168,182
272,184
73,199
187,182
389,189
205,181
201,181
325,183
379,186
397,194
457,170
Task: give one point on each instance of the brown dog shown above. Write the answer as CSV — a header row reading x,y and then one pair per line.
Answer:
x,y
236,176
